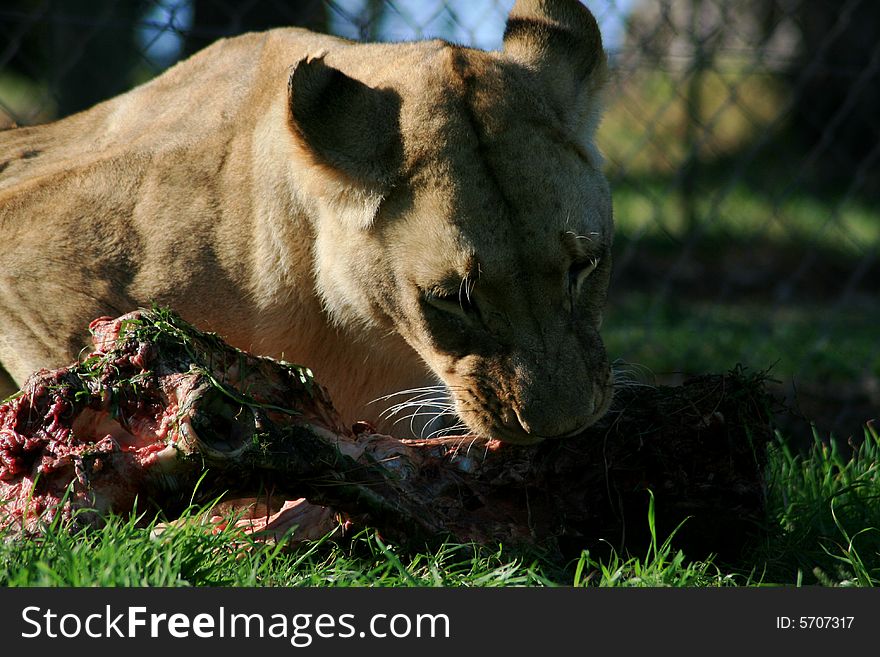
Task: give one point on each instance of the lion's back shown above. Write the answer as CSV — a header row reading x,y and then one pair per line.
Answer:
x,y
219,88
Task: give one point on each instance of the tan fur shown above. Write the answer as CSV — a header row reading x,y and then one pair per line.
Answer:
x,y
305,196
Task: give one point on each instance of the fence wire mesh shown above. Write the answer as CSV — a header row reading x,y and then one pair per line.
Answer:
x,y
742,140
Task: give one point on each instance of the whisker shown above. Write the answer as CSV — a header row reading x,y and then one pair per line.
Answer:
x,y
419,399
433,415
396,408
631,375
436,388
419,414
426,406
447,430
412,419
457,429
471,444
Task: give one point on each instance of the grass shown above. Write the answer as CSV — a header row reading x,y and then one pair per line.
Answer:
x,y
823,527
191,554
651,208
801,341
829,502
661,566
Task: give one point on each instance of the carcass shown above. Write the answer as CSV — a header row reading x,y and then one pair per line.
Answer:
x,y
159,410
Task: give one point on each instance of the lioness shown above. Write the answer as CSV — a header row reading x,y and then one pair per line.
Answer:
x,y
387,214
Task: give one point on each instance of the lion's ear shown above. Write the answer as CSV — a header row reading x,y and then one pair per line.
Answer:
x,y
560,41
348,128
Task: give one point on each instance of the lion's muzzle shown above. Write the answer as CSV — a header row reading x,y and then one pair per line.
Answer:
x,y
527,399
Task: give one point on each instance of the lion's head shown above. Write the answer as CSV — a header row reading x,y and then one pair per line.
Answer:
x,y
463,207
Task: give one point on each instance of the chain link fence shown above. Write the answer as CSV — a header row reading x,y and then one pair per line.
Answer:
x,y
742,140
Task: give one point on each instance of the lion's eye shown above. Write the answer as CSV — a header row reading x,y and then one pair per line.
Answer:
x,y
461,305
578,273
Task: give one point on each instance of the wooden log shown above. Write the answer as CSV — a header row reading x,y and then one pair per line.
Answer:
x,y
159,405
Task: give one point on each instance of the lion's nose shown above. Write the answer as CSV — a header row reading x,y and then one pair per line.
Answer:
x,y
561,425
541,419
